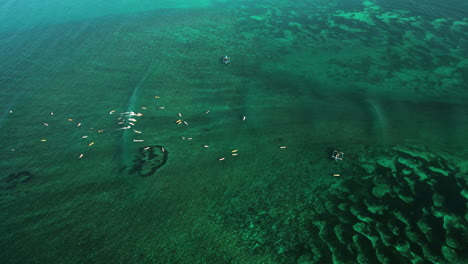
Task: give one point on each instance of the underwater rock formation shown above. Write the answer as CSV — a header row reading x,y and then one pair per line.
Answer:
x,y
411,208
149,159
12,180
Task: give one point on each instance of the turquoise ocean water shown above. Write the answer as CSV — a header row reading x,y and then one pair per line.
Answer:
x,y
125,139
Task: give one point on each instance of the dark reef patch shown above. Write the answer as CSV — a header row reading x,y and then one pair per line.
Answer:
x,y
12,180
149,159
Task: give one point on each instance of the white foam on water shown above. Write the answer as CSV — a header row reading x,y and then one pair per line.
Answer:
x,y
127,154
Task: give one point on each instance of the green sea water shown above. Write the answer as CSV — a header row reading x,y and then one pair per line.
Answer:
x,y
86,88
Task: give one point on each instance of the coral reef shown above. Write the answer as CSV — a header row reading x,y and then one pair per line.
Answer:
x,y
149,160
416,68
400,205
409,209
